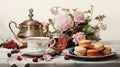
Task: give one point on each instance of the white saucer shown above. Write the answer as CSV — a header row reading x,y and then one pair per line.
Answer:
x,y
32,52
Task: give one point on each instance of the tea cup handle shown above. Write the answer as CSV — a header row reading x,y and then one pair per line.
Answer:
x,y
52,44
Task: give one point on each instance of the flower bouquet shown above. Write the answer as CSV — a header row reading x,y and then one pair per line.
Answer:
x,y
77,25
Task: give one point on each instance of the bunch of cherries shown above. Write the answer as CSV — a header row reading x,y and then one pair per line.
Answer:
x,y
11,44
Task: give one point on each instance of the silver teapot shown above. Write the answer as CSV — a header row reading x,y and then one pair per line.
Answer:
x,y
29,28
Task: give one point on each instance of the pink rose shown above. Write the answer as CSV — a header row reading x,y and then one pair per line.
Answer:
x,y
47,56
97,34
78,36
79,17
103,27
63,22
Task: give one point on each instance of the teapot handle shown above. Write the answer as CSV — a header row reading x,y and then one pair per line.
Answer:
x,y
46,29
12,29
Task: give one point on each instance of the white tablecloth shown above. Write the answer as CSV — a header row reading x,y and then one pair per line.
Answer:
x,y
60,62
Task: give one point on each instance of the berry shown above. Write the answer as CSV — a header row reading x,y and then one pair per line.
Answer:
x,y
19,58
10,44
66,57
53,53
21,47
71,51
58,52
12,52
9,54
41,58
16,50
35,59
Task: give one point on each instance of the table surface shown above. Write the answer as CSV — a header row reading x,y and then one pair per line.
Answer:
x,y
60,62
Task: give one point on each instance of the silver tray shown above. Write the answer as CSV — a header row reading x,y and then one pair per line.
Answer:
x,y
66,51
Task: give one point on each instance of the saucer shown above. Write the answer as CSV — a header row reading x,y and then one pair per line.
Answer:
x,y
32,52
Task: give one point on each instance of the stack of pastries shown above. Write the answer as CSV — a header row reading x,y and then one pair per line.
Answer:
x,y
87,48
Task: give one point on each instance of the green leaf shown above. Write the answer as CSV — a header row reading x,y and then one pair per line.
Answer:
x,y
52,23
100,17
71,16
74,9
66,10
1,44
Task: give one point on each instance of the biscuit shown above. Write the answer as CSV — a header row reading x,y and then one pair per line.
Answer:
x,y
99,46
87,46
85,42
80,51
92,52
106,51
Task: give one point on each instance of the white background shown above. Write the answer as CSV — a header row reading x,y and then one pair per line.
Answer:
x,y
17,10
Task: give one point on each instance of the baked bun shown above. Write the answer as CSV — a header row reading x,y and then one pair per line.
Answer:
x,y
92,52
99,46
106,51
84,42
80,51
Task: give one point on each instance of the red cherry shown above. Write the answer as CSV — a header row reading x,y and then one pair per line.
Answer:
x,y
8,46
22,47
66,57
35,59
9,54
13,44
19,58
5,45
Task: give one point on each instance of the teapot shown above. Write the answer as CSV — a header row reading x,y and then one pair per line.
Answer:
x,y
29,28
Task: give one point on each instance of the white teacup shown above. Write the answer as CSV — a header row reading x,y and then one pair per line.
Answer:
x,y
38,43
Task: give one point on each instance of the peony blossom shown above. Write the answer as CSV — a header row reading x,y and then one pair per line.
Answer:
x,y
78,36
79,17
103,27
97,34
63,22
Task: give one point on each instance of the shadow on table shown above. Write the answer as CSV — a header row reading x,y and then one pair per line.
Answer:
x,y
110,58
84,63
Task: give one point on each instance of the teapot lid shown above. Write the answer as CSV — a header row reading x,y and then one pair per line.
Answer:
x,y
30,22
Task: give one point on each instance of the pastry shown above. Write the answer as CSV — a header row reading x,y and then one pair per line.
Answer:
x,y
84,42
80,51
87,46
92,52
99,46
106,51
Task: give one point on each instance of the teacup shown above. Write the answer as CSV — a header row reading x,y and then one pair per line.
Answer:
x,y
38,43
59,43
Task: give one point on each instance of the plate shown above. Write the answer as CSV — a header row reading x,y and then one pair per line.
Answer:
x,y
66,51
35,52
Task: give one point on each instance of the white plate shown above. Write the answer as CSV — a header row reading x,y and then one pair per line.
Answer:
x,y
35,52
66,51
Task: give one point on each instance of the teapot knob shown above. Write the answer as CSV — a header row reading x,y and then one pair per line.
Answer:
x,y
30,14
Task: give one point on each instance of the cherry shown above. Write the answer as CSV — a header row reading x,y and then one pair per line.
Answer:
x,y
19,58
66,57
35,59
9,54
